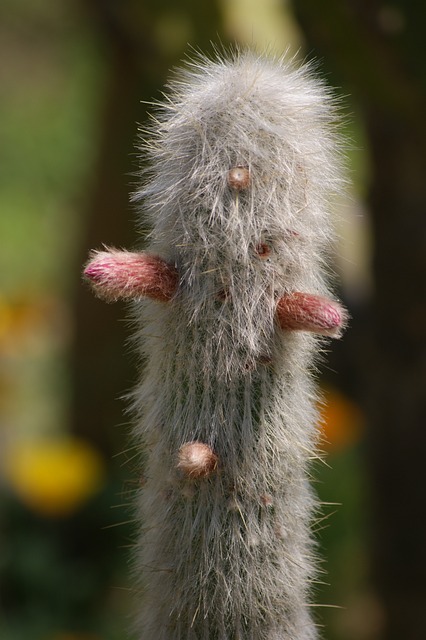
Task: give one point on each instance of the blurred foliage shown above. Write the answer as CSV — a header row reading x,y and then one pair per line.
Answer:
x,y
50,81
63,576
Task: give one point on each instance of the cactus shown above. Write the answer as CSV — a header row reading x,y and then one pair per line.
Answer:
x,y
233,305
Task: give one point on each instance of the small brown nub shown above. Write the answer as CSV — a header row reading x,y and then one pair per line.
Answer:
x,y
223,295
239,178
197,460
263,250
267,500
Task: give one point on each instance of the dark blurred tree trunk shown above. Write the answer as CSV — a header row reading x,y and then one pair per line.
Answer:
x,y
377,52
137,67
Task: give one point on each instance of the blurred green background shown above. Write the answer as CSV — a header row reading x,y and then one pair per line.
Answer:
x,y
73,80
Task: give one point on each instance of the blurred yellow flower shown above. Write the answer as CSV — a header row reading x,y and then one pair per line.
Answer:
x,y
17,316
54,477
341,420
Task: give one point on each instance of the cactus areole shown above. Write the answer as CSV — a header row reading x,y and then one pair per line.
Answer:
x,y
233,304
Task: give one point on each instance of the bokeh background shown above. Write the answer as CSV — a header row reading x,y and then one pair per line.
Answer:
x,y
74,81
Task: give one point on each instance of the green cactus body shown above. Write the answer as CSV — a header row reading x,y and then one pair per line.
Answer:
x,y
244,160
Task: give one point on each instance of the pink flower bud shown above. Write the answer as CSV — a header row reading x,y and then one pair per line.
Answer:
x,y
118,275
197,460
308,312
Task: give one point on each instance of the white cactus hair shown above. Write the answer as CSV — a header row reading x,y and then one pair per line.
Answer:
x,y
227,554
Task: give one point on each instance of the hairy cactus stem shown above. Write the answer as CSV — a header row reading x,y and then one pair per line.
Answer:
x,y
233,305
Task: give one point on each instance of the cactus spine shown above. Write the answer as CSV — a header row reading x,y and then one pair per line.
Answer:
x,y
233,304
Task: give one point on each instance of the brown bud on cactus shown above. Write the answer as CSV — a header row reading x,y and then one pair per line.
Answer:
x,y
239,178
197,460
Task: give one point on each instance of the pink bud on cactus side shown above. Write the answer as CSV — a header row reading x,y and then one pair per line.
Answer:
x,y
308,312
124,275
